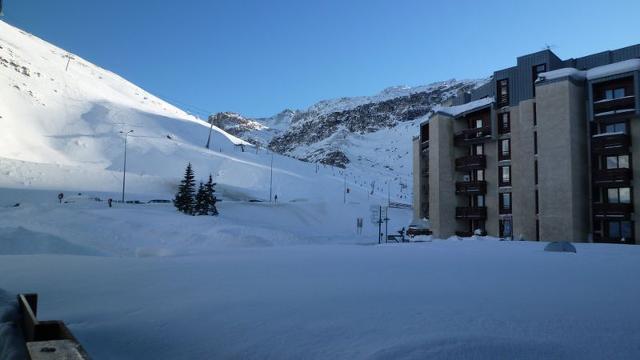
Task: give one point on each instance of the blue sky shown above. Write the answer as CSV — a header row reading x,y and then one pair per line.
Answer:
x,y
258,57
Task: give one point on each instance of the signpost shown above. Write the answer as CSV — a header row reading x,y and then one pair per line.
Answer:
x,y
377,218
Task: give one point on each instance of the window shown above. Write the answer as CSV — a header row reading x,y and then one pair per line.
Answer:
x,y
479,123
535,115
503,92
505,176
537,203
615,128
617,162
535,171
535,143
617,93
504,123
478,175
535,71
506,228
619,229
477,149
479,201
505,203
537,230
619,195
504,152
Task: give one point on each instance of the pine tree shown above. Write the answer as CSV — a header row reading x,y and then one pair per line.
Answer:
x,y
211,200
184,200
202,203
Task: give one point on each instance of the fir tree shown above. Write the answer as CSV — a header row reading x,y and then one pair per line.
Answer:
x,y
211,200
184,200
202,202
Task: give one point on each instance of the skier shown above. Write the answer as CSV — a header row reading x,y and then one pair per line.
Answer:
x,y
275,198
110,201
60,196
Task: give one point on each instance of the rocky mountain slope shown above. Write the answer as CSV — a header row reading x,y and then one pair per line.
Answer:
x,y
367,134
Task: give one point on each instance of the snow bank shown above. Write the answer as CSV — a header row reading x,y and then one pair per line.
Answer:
x,y
617,68
465,108
11,343
442,299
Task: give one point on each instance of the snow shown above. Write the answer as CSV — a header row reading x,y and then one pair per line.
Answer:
x,y
464,108
598,72
326,297
609,134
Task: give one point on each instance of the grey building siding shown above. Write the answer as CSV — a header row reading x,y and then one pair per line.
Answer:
x,y
520,76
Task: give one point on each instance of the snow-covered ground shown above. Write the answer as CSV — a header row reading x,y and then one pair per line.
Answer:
x,y
153,284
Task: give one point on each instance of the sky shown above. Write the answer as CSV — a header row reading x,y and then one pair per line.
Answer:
x,y
258,57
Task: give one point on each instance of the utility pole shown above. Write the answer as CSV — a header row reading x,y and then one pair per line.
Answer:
x,y
69,58
271,179
124,168
210,130
380,225
344,190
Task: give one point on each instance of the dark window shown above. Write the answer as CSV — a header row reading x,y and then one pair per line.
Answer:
x,y
617,162
504,126
619,230
537,230
535,143
505,176
615,128
537,203
611,94
535,115
504,151
505,203
535,171
619,195
506,228
424,132
595,195
503,92
535,71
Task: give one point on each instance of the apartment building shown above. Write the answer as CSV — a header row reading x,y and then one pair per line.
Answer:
x,y
544,150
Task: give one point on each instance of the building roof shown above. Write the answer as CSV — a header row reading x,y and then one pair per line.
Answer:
x,y
465,108
598,72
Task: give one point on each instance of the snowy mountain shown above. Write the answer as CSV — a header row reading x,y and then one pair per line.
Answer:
x,y
63,120
367,134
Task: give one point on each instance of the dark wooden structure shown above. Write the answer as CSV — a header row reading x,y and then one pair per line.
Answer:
x,y
47,339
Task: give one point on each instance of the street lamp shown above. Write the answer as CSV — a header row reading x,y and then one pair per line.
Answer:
x,y
124,168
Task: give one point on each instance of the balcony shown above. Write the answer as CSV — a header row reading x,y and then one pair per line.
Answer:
x,y
607,108
612,177
610,144
472,136
612,211
471,187
471,213
471,162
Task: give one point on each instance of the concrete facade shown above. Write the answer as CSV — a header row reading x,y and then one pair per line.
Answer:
x,y
523,160
417,177
571,155
562,161
442,197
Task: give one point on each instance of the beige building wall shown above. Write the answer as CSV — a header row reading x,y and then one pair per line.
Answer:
x,y
562,161
522,169
417,176
442,197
